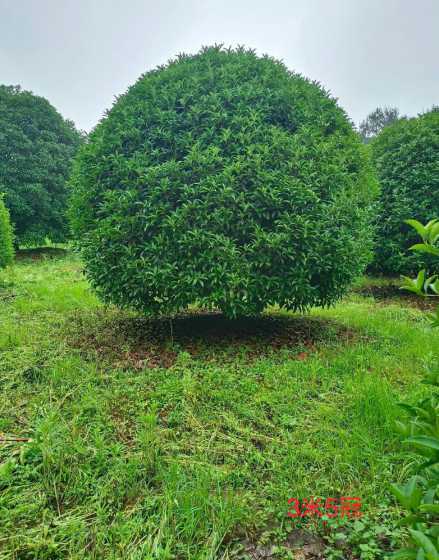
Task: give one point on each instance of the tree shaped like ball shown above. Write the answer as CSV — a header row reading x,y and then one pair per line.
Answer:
x,y
226,180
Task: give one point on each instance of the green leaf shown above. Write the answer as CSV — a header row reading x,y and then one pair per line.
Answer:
x,y
425,248
425,543
432,231
429,508
429,496
404,554
429,282
6,470
409,495
427,442
402,428
418,227
435,287
410,520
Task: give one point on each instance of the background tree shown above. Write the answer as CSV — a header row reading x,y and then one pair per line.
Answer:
x,y
6,236
36,149
406,155
374,123
227,180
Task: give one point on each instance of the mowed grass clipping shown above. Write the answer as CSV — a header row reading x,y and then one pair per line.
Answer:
x,y
184,439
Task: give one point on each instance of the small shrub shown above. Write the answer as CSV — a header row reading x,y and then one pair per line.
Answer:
x,y
406,155
420,494
227,180
425,285
6,237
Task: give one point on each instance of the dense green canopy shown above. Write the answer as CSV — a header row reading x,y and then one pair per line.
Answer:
x,y
36,149
406,155
224,179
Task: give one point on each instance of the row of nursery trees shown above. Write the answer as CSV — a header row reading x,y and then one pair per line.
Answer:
x,y
229,158
37,147
227,180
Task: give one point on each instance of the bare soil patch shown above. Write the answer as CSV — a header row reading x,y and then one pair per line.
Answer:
x,y
137,342
392,293
37,253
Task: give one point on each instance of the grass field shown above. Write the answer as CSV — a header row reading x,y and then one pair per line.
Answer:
x,y
184,439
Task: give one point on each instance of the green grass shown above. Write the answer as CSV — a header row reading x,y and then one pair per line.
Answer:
x,y
185,439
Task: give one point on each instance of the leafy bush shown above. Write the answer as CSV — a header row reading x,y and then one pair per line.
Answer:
x,y
424,285
420,494
406,155
223,179
6,236
36,148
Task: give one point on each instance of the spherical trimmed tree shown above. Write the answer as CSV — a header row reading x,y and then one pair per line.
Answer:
x,y
406,156
227,180
36,150
6,236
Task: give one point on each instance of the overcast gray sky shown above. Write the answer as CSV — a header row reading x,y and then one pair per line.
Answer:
x,y
79,54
